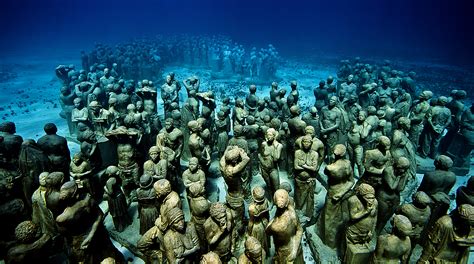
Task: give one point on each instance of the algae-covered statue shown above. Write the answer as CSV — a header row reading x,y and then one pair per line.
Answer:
x,y
450,238
286,231
218,228
335,213
259,216
56,148
269,157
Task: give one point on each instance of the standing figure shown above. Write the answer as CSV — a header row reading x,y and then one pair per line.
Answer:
x,y
361,226
218,228
269,157
418,117
169,94
330,123
375,162
56,148
306,165
193,175
147,204
157,166
286,231
438,119
418,212
118,206
388,195
180,242
221,131
335,214
259,216
254,252
81,173
437,184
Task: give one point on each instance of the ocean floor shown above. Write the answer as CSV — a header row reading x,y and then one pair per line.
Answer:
x,y
29,96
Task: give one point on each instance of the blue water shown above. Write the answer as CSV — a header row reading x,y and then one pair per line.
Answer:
x,y
437,30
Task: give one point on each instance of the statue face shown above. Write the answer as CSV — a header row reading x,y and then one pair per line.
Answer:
x,y
154,156
168,79
169,124
306,144
179,225
193,166
332,101
270,136
42,179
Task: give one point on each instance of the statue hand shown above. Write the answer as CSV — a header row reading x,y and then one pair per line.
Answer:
x,y
85,243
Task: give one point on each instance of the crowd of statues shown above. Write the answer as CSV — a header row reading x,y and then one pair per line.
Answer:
x,y
145,58
359,142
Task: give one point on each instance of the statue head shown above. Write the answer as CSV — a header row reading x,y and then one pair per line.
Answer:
x,y
8,127
281,199
68,190
218,212
339,151
286,186
162,188
442,100
366,191
443,162
176,219
404,123
306,142
146,181
421,199
253,248
295,110
77,158
309,130
50,129
112,171
332,101
253,89
384,142
193,164
402,225
194,126
401,165
271,134
258,194
210,258
154,153
238,130
293,85
25,232
466,213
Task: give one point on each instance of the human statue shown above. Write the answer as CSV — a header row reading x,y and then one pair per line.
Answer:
x,y
180,242
99,117
148,95
171,137
375,162
253,253
10,146
269,157
81,224
251,101
418,116
169,94
106,79
30,245
210,258
56,148
127,141
193,175
361,226
259,216
394,247
286,230
394,179
335,214
356,141
232,165
402,146
32,162
306,165
418,212
81,173
221,131
465,194
79,114
46,206
117,203
450,238
199,208
218,228
330,123
437,120
321,95
437,184
156,166
312,119
167,199
66,99
147,203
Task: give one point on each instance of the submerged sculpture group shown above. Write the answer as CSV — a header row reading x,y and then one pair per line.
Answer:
x,y
358,142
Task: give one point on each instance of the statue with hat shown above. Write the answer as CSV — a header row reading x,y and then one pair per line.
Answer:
x,y
180,242
259,216
147,204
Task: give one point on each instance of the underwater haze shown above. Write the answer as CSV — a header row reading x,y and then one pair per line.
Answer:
x,y
440,31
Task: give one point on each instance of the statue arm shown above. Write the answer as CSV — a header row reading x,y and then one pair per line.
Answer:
x,y
148,239
296,239
245,160
191,231
95,225
277,151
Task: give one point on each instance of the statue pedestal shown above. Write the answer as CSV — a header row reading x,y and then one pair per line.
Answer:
x,y
357,254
